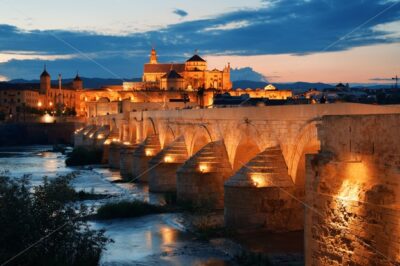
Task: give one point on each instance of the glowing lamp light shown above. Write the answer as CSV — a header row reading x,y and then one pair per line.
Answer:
x,y
168,159
91,135
51,103
127,143
39,104
203,168
100,136
149,152
115,140
47,118
258,180
107,142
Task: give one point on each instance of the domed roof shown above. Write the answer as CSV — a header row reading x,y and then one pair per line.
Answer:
x,y
196,58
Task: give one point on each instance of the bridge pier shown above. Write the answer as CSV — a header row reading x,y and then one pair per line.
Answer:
x,y
163,166
142,155
262,195
127,160
114,157
201,179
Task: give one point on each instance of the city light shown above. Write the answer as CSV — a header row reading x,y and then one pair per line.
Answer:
x,y
39,104
126,143
149,152
203,168
258,180
47,119
100,136
168,159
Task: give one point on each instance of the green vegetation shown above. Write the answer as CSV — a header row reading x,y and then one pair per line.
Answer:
x,y
84,156
127,209
46,213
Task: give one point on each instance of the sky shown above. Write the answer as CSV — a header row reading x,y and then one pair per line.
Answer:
x,y
331,41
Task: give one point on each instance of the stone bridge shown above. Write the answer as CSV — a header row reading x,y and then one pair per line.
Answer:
x,y
249,161
331,170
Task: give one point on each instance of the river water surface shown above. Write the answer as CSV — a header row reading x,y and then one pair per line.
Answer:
x,y
150,240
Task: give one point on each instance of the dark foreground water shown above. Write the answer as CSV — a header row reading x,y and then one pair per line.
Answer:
x,y
150,240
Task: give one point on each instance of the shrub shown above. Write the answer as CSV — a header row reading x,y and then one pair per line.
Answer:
x,y
47,214
127,209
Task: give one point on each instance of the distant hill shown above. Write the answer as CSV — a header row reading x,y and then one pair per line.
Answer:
x,y
296,86
87,82
243,84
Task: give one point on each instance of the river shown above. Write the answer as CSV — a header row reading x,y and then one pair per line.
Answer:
x,y
150,240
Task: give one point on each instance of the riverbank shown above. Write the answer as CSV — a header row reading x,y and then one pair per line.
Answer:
x,y
31,133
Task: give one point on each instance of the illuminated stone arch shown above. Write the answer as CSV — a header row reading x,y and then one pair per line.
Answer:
x,y
246,149
306,142
196,137
104,99
237,136
149,127
167,133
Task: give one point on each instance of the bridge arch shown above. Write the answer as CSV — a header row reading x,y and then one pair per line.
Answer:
x,y
246,149
202,136
150,127
306,142
170,136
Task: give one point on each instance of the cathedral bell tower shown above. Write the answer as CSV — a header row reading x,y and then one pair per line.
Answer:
x,y
153,56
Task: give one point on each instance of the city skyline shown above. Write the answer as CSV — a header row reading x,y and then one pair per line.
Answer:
x,y
327,41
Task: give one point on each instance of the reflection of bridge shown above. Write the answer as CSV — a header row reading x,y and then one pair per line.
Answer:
x,y
249,161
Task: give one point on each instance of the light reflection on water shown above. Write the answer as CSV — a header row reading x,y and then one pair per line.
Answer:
x,y
149,240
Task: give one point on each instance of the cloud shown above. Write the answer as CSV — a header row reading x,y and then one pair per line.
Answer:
x,y
6,56
180,12
3,78
278,27
246,73
229,26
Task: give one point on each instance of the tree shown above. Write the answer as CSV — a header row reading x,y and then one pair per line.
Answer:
x,y
50,213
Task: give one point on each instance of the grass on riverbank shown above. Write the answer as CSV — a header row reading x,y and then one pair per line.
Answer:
x,y
127,209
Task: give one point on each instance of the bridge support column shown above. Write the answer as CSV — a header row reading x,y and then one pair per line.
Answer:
x,y
262,194
127,160
142,155
163,167
201,179
114,150
88,135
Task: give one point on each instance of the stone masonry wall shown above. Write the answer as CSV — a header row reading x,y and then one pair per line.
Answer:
x,y
353,192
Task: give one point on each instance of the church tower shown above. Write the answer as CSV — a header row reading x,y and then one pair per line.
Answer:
x,y
153,56
45,82
77,83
